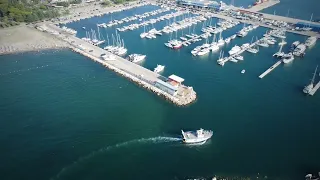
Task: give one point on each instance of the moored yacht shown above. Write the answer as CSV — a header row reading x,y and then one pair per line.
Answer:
x,y
159,68
235,50
299,50
135,58
311,41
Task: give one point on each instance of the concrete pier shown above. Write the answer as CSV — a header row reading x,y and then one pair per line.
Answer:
x,y
136,73
305,33
315,88
270,69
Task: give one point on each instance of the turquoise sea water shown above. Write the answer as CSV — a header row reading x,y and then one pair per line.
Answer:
x,y
65,117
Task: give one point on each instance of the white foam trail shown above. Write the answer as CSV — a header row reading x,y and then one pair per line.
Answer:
x,y
154,140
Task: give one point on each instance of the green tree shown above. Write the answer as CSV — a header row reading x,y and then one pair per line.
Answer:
x,y
3,7
43,7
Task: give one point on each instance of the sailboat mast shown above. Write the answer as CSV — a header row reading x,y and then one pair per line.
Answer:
x,y
314,75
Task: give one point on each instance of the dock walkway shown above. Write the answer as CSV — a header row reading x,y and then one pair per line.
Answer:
x,y
315,88
270,69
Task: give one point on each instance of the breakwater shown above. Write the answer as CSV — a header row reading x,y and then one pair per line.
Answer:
x,y
138,74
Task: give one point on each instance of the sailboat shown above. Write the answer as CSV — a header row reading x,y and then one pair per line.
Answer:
x,y
221,58
144,34
252,49
279,54
307,89
220,41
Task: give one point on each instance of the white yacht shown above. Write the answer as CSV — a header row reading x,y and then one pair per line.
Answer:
x,y
252,50
262,43
199,136
143,35
233,36
299,50
238,57
227,40
243,71
214,47
135,58
287,59
311,41
203,51
295,44
159,68
235,50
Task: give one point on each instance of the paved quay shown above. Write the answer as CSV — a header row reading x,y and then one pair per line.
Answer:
x,y
276,17
142,76
305,33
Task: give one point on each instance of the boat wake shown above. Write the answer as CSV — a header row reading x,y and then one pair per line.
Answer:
x,y
153,140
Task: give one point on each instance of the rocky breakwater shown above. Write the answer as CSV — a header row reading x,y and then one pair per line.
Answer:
x,y
186,95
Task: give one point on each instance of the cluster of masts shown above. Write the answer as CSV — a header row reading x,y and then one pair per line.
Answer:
x,y
150,21
132,18
246,29
208,30
91,37
117,47
174,27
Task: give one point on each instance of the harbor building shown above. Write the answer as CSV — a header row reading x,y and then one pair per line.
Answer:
x,y
171,86
166,87
207,4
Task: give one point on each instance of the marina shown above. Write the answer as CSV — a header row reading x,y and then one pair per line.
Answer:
x,y
209,28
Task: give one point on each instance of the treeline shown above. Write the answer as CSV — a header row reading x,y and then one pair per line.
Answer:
x,y
14,11
67,3
110,2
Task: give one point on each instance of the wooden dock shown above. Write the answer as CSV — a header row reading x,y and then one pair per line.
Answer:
x,y
315,88
270,69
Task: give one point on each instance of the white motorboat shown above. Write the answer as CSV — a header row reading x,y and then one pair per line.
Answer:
x,y
243,71
227,40
203,51
287,59
135,58
311,41
235,50
143,35
199,136
238,57
159,68
299,50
